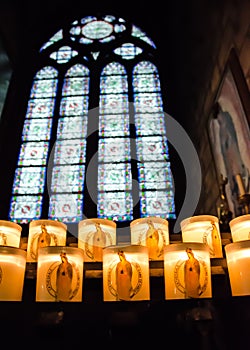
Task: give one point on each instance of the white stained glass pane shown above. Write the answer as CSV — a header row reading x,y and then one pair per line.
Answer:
x,y
75,86
114,150
110,104
66,207
155,175
33,153
111,84
25,208
77,105
44,88
148,102
67,178
29,180
150,124
72,128
70,152
157,203
152,148
37,129
40,108
115,205
97,29
114,177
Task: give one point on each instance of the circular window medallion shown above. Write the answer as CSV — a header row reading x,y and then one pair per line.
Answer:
x,y
97,30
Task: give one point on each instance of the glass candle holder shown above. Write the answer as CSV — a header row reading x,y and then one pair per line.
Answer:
x,y
187,271
238,263
10,234
125,273
240,228
203,229
44,233
151,232
59,274
12,273
94,235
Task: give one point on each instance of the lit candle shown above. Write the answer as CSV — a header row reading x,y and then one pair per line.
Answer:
x,y
125,273
59,274
151,232
240,228
203,229
240,184
187,271
94,235
238,263
44,233
12,272
10,233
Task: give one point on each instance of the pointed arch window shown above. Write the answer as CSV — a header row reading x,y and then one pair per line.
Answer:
x,y
105,63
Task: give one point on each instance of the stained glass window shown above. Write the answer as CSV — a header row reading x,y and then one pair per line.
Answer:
x,y
98,63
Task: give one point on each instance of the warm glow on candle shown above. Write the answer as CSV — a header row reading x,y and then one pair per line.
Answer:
x,y
12,272
43,233
125,273
151,232
238,262
59,274
10,233
187,271
240,228
94,235
203,229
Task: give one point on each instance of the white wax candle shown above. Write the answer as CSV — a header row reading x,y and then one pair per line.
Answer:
x,y
240,184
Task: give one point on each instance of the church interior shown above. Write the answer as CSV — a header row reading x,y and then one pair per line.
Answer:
x,y
197,43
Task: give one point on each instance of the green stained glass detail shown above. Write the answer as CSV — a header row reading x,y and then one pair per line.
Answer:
x,y
154,175
37,129
29,180
113,104
74,86
128,51
67,178
44,88
64,54
138,33
56,37
114,125
66,207
112,178
23,209
111,84
113,69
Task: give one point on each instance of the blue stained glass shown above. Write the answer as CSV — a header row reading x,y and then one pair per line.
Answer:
x,y
66,207
70,151
33,153
148,102
67,178
115,206
29,180
114,125
77,105
110,104
150,124
157,203
72,128
114,150
40,108
112,178
152,148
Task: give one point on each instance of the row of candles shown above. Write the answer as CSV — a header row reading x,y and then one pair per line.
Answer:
x,y
125,268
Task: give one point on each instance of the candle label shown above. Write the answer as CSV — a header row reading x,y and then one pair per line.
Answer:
x,y
155,240
124,278
99,239
3,238
63,279
211,237
42,239
191,275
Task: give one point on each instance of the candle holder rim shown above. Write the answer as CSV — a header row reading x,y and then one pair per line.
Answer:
x,y
56,248
198,218
11,224
237,245
154,218
94,220
48,222
126,247
4,249
239,219
183,245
